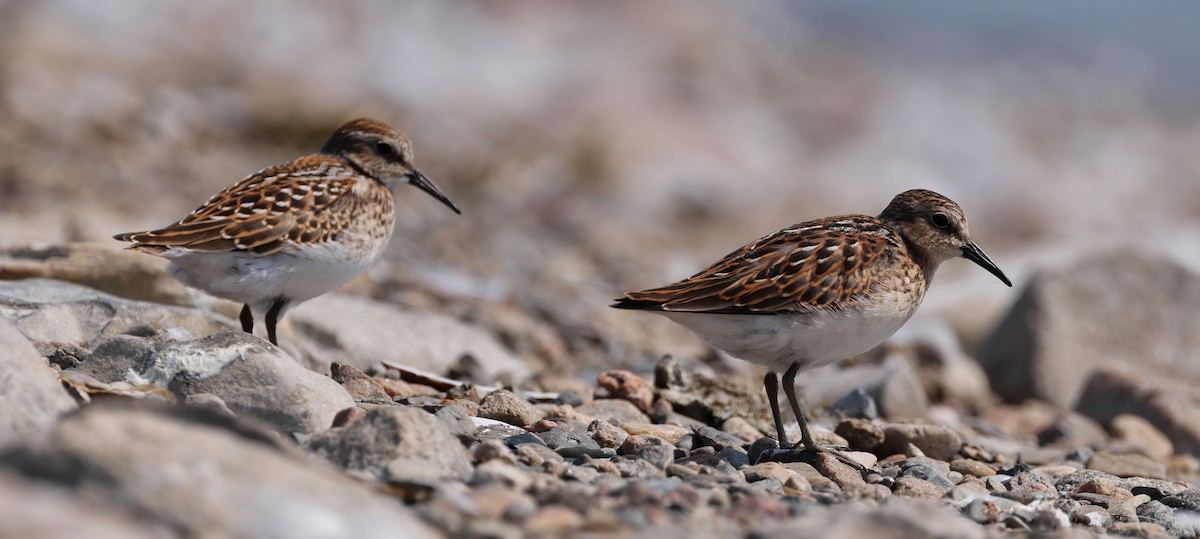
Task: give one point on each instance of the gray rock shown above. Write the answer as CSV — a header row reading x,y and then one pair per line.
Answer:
x,y
895,517
397,443
718,439
35,509
990,509
458,422
53,313
559,437
251,377
735,457
1166,517
367,332
1186,499
190,474
1118,308
855,404
114,357
928,473
31,397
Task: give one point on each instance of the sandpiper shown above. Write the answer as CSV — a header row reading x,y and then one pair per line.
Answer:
x,y
293,231
819,292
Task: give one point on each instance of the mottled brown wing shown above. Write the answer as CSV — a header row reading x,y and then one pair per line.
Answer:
x,y
260,212
815,265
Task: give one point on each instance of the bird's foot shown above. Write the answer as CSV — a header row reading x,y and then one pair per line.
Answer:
x,y
808,454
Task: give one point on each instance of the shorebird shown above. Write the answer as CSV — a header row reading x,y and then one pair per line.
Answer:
x,y
819,292
293,231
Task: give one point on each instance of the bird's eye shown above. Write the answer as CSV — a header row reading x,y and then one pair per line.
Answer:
x,y
939,220
385,149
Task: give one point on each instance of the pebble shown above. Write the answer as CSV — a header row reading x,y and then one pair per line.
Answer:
x,y
493,450
1098,485
503,405
710,436
837,471
1137,432
990,509
739,427
615,411
861,434
766,470
536,455
553,520
915,487
623,384
670,433
606,434
972,467
856,404
936,441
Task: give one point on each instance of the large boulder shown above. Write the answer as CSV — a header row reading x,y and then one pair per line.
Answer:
x,y
1118,308
186,471
31,397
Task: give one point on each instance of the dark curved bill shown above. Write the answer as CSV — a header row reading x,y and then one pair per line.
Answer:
x,y
424,184
973,253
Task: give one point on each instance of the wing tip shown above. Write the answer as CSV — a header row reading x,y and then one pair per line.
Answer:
x,y
628,302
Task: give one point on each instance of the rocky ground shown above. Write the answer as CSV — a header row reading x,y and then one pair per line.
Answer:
x,y
150,415
474,383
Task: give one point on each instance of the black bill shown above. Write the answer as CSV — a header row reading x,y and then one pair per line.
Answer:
x,y
424,184
973,253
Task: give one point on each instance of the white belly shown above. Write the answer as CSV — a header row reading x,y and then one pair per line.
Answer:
x,y
810,340
296,274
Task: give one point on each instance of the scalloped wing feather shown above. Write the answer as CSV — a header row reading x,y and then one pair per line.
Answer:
x,y
823,264
261,212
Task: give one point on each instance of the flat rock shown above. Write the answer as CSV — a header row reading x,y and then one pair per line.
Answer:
x,y
397,443
196,475
251,377
121,273
1118,308
365,333
31,397
54,313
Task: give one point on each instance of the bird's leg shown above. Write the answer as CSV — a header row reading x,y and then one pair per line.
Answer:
x,y
273,319
247,319
789,389
771,382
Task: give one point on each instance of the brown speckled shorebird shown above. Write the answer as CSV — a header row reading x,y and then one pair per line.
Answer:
x,y
294,231
819,292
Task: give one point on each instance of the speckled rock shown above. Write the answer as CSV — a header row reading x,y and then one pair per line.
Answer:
x,y
503,405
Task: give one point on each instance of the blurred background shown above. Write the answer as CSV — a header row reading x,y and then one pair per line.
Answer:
x,y
599,147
